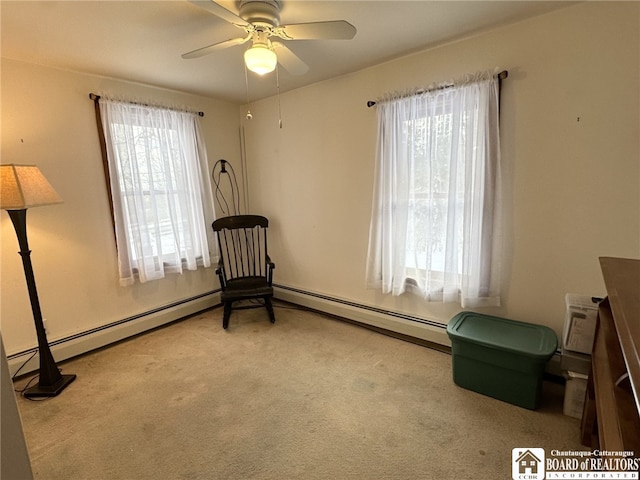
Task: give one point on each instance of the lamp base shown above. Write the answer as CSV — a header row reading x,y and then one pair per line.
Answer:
x,y
49,390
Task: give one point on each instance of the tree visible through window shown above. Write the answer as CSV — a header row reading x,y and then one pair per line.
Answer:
x,y
435,221
429,197
160,190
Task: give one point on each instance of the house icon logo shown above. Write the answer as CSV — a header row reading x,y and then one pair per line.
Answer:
x,y
527,464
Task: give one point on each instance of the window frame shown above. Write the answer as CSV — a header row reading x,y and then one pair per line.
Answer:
x,y
202,258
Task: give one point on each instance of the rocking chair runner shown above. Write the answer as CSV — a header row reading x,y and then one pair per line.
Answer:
x,y
244,269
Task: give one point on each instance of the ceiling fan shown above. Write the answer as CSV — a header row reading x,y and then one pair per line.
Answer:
x,y
260,19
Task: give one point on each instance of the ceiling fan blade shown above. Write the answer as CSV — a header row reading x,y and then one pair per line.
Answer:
x,y
200,52
221,12
332,30
289,60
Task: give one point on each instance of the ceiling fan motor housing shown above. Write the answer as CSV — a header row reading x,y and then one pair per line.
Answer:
x,y
260,12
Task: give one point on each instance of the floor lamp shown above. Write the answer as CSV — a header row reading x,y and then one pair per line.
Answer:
x,y
22,187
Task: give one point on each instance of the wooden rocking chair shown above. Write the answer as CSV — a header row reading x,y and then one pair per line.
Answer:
x,y
244,269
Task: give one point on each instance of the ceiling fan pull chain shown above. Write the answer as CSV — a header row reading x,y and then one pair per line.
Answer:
x,y
246,82
278,89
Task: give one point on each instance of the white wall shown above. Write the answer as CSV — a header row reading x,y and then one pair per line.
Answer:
x,y
48,120
570,155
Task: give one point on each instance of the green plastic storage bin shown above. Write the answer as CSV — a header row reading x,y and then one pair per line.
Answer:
x,y
501,358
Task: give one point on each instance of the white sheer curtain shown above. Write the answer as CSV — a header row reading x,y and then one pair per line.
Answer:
x,y
435,225
162,200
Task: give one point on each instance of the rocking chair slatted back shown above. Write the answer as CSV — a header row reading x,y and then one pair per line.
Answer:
x,y
243,246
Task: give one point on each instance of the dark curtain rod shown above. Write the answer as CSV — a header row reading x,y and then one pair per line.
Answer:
x,y
501,76
95,98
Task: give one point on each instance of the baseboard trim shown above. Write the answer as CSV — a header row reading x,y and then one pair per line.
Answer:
x,y
92,339
386,321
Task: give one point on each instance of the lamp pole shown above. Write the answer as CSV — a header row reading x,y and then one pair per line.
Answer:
x,y
51,382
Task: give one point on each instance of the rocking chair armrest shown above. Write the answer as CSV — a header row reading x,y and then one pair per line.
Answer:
x,y
270,264
270,267
220,267
221,274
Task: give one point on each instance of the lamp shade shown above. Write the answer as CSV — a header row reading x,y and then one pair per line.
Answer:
x,y
260,59
24,186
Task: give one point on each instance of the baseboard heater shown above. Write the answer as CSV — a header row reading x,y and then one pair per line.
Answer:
x,y
407,327
92,339
414,329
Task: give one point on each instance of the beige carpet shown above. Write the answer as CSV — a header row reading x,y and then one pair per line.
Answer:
x,y
306,398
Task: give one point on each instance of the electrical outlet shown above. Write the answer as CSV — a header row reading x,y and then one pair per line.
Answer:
x,y
44,323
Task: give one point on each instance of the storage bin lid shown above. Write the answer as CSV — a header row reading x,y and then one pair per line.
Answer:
x,y
500,333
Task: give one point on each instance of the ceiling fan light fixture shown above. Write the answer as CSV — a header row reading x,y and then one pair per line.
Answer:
x,y
260,59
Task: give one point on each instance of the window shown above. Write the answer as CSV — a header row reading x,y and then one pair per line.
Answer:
x,y
435,228
161,196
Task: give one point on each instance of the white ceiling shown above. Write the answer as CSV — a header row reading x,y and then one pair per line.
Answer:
x,y
143,41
